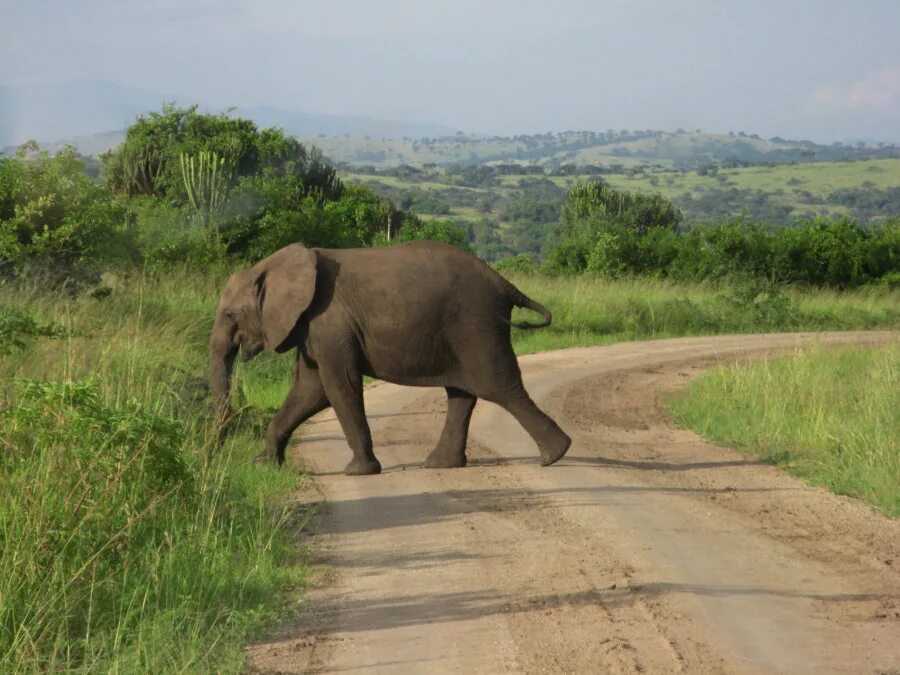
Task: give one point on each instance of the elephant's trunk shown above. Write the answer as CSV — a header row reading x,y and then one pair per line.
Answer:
x,y
222,352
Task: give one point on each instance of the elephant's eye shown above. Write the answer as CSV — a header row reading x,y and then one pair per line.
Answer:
x,y
230,316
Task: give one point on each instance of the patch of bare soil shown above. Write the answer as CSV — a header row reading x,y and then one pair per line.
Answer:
x,y
646,549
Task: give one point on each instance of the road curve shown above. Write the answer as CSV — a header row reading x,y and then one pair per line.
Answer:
x,y
644,549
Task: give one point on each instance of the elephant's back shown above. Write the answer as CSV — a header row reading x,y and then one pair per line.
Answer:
x,y
427,271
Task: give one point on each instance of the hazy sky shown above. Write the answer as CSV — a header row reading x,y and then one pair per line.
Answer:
x,y
821,69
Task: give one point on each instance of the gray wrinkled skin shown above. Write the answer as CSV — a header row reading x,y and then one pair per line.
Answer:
x,y
418,314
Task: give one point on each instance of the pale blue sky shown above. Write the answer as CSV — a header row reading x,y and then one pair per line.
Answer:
x,y
821,69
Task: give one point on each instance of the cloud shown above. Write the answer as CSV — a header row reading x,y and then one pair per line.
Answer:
x,y
879,90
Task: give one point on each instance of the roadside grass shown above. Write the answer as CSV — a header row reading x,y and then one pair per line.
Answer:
x,y
591,311
827,415
127,543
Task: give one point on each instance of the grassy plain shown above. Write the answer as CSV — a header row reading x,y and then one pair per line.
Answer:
x,y
830,416
628,149
789,184
802,187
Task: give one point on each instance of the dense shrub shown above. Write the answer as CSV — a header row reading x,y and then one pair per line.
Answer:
x,y
821,251
248,191
832,252
596,204
81,481
149,161
433,230
56,218
519,263
18,328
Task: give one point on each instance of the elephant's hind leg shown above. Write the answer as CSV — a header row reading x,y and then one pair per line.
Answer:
x,y
450,450
345,391
305,399
552,441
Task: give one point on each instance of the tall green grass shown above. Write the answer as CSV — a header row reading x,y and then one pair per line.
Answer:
x,y
831,416
127,543
590,311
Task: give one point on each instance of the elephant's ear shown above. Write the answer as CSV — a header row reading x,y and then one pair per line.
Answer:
x,y
286,286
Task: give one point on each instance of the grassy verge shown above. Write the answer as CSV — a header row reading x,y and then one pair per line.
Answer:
x,y
829,416
121,548
589,311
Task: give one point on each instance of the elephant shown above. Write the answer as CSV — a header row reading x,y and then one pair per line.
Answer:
x,y
422,314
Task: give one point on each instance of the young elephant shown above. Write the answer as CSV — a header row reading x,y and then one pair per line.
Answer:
x,y
423,314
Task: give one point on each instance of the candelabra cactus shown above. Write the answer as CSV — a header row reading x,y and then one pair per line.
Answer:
x,y
207,178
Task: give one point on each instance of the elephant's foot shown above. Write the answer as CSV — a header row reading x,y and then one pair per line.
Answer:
x,y
362,467
555,451
440,458
267,457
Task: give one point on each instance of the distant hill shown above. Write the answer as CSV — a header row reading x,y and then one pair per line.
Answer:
x,y
608,150
92,115
84,113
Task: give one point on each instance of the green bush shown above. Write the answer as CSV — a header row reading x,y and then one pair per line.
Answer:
x,y
522,263
125,443
821,251
192,247
839,253
883,258
360,216
127,543
248,191
149,161
597,202
610,253
762,304
110,467
55,218
568,257
272,228
18,328
433,230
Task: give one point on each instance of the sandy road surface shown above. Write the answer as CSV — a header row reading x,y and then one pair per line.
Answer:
x,y
645,549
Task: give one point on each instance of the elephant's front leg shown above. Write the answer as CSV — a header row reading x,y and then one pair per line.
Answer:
x,y
450,451
306,398
345,391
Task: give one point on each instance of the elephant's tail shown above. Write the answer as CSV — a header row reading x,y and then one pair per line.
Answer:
x,y
519,299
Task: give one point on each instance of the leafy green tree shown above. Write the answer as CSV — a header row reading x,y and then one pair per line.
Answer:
x,y
595,202
434,230
821,251
148,162
361,215
56,217
600,224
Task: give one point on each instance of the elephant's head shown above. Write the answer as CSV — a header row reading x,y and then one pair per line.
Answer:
x,y
258,310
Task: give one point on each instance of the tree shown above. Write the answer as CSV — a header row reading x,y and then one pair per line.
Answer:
x,y
54,216
591,203
149,161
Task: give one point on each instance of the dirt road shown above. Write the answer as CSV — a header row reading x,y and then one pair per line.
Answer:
x,y
645,549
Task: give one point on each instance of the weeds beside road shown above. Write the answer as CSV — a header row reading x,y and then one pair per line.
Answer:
x,y
828,415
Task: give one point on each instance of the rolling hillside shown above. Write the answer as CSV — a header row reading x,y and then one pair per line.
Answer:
x,y
616,150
